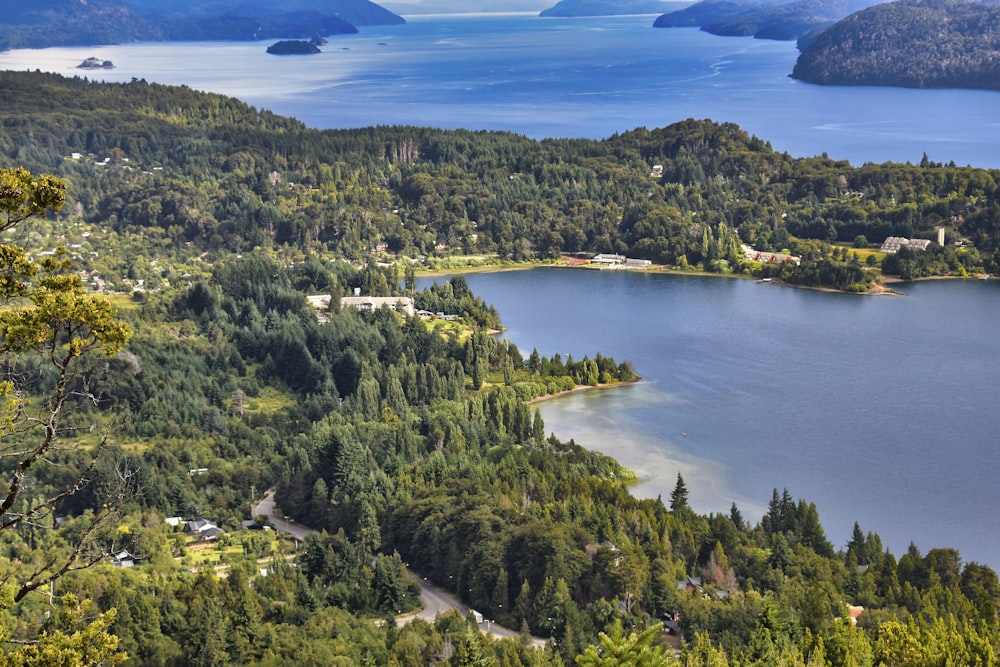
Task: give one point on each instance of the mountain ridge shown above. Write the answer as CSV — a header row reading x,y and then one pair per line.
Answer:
x,y
574,8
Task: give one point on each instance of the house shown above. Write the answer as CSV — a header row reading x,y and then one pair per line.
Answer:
x,y
689,584
605,259
753,255
204,529
671,623
123,559
893,244
401,304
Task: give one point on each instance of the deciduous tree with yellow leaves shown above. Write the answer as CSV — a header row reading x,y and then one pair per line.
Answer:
x,y
49,325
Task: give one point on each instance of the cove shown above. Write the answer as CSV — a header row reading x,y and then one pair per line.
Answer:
x,y
878,409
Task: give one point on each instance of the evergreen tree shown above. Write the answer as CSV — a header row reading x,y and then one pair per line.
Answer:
x,y
679,496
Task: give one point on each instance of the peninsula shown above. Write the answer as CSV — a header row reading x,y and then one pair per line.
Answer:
x,y
765,19
910,43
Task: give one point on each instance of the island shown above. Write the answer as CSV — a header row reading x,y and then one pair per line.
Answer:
x,y
910,43
290,47
96,63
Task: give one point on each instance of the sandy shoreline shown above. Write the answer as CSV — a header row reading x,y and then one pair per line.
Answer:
x,y
581,387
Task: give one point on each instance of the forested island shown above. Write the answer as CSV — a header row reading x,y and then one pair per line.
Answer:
x,y
68,23
910,43
176,265
96,63
287,47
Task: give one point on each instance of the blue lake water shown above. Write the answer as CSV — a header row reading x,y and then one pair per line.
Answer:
x,y
880,410
550,77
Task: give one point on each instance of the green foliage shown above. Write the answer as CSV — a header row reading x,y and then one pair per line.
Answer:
x,y
72,638
618,650
207,175
410,447
912,43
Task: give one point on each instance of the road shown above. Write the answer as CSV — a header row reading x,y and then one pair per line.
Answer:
x,y
436,600
266,507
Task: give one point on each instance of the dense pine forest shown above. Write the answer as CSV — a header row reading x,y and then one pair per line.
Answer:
x,y
157,341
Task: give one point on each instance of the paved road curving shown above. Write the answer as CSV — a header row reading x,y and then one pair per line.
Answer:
x,y
436,600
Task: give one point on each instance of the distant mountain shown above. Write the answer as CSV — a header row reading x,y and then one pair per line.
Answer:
x,y
910,43
357,12
605,7
72,22
464,6
764,19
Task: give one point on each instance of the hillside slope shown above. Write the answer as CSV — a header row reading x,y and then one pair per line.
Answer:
x,y
912,43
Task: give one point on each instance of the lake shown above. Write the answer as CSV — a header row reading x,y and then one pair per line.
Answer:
x,y
552,77
880,410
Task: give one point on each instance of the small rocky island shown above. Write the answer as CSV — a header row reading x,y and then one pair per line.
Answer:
x,y
292,47
96,63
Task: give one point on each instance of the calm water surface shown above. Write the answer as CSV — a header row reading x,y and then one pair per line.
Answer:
x,y
566,78
880,410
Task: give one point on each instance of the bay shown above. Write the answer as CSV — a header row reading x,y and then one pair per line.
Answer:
x,y
558,77
881,410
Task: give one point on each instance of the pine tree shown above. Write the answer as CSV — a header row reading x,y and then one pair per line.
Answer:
x,y
679,496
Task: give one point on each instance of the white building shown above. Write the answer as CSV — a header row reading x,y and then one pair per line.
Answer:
x,y
401,304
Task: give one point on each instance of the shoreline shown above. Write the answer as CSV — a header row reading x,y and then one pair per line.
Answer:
x,y
882,288
581,388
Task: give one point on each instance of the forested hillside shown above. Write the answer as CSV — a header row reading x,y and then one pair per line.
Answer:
x,y
911,43
763,19
404,441
46,23
191,172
